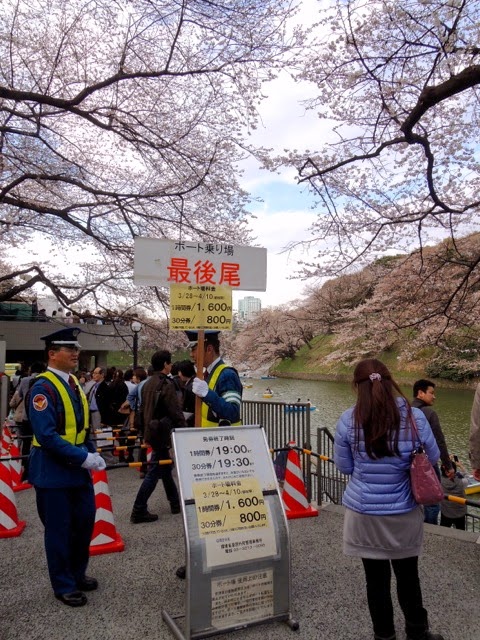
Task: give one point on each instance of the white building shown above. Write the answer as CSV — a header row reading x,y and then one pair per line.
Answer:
x,y
248,308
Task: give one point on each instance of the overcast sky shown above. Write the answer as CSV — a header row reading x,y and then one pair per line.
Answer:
x,y
285,213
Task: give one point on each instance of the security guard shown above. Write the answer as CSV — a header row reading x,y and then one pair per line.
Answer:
x,y
221,391
60,462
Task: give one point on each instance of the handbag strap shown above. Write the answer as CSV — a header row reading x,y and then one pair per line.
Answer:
x,y
414,432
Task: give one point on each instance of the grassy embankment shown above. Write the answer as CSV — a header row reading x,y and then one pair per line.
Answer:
x,y
313,364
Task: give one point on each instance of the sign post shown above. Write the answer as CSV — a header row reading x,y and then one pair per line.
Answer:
x,y
201,277
237,546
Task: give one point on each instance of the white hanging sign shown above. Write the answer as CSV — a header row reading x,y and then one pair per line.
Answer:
x,y
165,262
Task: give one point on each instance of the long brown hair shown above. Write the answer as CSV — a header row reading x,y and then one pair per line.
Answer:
x,y
376,411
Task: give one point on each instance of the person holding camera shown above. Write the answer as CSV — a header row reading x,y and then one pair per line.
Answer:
x,y
453,514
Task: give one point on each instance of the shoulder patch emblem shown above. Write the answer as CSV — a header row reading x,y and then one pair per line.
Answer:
x,y
40,402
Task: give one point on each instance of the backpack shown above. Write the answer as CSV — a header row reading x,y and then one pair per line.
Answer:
x,y
157,432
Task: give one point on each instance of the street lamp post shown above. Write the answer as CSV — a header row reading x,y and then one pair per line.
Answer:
x,y
136,327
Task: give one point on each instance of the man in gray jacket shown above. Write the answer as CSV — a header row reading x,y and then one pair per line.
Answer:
x,y
424,397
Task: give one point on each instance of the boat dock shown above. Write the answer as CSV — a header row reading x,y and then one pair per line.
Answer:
x,y
328,591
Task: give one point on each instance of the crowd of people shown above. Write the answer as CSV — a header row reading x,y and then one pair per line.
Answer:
x,y
383,525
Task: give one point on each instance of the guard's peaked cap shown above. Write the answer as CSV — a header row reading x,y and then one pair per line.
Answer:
x,y
65,337
210,336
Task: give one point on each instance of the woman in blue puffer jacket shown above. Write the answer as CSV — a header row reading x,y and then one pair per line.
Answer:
x,y
383,523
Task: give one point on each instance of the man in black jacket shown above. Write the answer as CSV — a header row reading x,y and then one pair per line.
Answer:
x,y
161,411
424,397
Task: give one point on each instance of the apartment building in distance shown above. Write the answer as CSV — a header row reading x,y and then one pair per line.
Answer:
x,y
248,308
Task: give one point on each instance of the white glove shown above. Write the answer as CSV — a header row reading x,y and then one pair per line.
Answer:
x,y
94,461
100,463
200,387
90,461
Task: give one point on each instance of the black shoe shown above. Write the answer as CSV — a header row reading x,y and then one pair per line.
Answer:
x,y
88,584
429,636
74,599
181,573
175,509
135,518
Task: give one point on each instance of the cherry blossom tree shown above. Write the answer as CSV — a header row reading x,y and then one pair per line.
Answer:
x,y
274,334
125,118
420,317
398,84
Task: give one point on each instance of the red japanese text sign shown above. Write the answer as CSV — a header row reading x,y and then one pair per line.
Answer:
x,y
166,262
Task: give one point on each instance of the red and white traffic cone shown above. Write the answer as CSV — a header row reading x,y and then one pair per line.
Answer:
x,y
10,525
144,468
6,441
294,493
105,537
16,468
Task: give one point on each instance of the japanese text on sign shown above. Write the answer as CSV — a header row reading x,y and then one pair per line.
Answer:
x,y
224,455
163,262
242,598
226,506
200,307
203,272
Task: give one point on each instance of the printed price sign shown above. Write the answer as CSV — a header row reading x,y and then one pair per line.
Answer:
x,y
226,506
200,307
238,558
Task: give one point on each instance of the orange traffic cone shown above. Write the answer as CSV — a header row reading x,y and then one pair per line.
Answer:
x,y
294,494
10,526
105,538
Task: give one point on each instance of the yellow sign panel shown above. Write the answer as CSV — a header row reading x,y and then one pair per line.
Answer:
x,y
226,506
200,307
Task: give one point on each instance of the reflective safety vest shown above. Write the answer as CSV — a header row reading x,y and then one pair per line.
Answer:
x,y
71,435
205,408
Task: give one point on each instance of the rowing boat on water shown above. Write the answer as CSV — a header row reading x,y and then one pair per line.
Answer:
x,y
473,486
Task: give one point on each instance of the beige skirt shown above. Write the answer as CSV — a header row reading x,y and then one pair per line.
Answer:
x,y
383,537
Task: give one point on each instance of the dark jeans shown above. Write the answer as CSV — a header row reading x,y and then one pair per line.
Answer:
x,y
155,473
378,574
430,513
458,523
68,516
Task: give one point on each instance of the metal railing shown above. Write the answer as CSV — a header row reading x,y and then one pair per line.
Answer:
x,y
283,423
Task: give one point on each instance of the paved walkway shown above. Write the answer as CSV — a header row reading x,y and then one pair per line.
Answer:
x,y
328,593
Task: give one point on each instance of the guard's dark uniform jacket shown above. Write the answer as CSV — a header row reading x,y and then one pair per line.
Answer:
x,y
59,419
